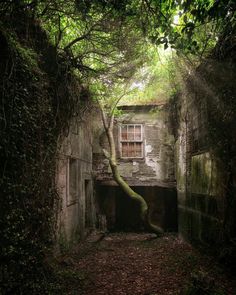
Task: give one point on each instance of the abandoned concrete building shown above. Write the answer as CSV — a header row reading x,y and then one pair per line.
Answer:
x,y
167,160
145,151
90,196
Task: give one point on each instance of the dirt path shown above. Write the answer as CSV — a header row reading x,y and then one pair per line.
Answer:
x,y
139,264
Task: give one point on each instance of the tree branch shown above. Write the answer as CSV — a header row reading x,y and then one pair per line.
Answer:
x,y
88,33
119,99
77,40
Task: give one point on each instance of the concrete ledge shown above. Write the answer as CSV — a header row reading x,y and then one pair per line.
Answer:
x,y
111,182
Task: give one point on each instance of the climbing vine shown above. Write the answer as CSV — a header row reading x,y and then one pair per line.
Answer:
x,y
35,112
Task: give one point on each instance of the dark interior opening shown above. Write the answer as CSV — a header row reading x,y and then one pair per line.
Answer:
x,y
88,203
123,213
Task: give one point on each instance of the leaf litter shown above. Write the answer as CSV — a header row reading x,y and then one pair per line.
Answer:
x,y
142,264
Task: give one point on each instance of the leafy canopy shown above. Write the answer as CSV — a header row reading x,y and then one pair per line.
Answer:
x,y
112,42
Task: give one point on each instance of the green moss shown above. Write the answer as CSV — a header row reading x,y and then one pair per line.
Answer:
x,y
28,56
201,173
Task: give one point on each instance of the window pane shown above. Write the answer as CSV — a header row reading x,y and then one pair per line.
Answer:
x,y
131,128
124,149
131,152
124,135
130,132
137,133
138,149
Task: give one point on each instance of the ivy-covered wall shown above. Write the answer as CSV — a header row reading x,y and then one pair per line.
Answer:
x,y
39,96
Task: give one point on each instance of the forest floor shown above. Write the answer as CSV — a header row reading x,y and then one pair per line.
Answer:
x,y
139,263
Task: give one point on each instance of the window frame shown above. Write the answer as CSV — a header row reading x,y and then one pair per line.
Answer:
x,y
71,201
141,140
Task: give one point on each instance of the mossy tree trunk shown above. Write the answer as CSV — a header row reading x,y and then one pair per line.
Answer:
x,y
108,123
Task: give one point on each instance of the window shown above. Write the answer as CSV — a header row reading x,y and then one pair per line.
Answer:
x,y
72,181
131,141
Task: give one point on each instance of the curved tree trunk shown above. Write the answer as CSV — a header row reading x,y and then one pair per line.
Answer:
x,y
144,212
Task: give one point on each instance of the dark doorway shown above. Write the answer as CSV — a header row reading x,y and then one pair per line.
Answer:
x,y
88,203
123,213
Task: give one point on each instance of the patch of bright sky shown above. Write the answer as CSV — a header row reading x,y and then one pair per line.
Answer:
x,y
139,85
176,20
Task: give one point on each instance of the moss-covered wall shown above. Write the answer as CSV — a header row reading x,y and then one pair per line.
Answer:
x,y
200,207
205,153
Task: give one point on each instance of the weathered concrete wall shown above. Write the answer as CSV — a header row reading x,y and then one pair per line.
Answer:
x,y
77,215
200,170
157,165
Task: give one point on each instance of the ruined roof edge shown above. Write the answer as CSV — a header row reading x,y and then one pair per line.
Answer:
x,y
141,107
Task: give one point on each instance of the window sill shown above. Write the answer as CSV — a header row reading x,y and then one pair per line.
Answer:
x,y
127,160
